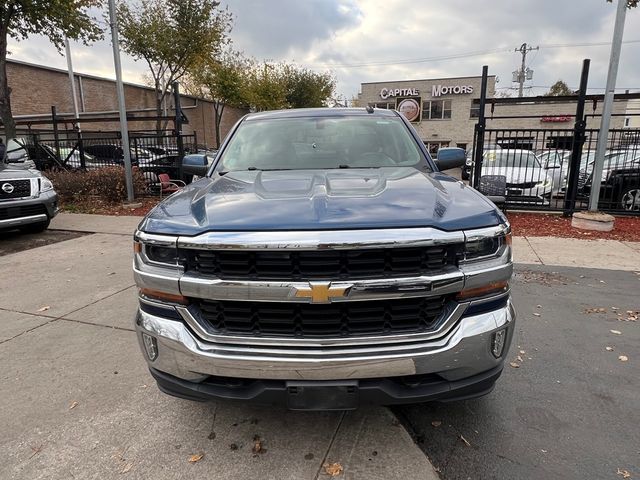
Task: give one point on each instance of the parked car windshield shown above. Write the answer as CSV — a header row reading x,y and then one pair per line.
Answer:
x,y
321,143
511,158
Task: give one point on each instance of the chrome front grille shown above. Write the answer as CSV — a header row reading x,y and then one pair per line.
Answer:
x,y
322,264
14,189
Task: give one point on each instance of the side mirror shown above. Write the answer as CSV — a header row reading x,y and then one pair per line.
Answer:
x,y
195,164
450,157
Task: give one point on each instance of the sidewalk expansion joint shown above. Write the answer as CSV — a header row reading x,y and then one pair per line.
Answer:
x,y
333,439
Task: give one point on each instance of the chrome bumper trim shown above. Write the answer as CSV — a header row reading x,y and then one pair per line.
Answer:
x,y
322,239
15,222
193,285
464,351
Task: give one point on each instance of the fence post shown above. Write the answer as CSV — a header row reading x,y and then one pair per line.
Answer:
x,y
479,130
83,162
180,144
56,137
578,141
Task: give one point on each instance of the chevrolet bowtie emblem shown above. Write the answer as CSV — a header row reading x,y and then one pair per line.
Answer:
x,y
322,292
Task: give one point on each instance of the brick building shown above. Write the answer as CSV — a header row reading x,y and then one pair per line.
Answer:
x,y
444,111
35,88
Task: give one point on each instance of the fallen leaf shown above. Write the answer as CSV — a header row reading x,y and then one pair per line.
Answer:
x,y
333,469
196,457
257,445
623,358
436,423
623,473
43,309
515,365
609,349
616,332
536,314
522,352
127,466
73,405
466,442
519,358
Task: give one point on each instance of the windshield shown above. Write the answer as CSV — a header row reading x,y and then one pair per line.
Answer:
x,y
321,143
511,158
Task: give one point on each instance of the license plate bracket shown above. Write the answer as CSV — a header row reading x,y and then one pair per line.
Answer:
x,y
321,395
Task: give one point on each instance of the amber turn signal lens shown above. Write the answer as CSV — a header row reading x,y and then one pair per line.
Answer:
x,y
494,287
137,247
165,297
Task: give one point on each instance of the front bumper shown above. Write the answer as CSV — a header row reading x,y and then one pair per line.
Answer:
x,y
456,364
19,212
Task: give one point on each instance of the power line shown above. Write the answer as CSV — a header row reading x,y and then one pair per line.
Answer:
x,y
479,53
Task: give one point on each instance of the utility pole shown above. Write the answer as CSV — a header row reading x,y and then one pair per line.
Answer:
x,y
67,48
524,73
124,127
607,106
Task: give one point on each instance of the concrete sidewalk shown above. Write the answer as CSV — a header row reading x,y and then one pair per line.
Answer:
x,y
78,402
566,252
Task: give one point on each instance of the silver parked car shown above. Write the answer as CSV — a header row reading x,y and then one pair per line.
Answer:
x,y
527,180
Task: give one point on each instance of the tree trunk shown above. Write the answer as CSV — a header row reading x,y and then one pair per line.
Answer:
x,y
159,98
5,92
218,110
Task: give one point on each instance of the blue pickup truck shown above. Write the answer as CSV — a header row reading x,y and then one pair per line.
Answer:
x,y
323,262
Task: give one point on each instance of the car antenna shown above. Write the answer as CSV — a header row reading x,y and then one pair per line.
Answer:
x,y
369,109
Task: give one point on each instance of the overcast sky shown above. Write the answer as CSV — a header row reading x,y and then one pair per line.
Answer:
x,y
348,36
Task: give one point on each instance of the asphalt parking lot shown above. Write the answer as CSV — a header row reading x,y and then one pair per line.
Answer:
x,y
571,409
78,402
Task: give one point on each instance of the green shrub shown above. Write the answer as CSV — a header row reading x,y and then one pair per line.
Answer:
x,y
106,183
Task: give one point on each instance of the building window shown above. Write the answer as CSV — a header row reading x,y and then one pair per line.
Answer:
x,y
386,106
475,109
436,110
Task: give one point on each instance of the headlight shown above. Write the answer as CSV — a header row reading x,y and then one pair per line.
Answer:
x,y
156,250
45,184
487,243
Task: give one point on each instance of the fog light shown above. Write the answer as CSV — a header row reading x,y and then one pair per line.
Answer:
x,y
150,346
497,343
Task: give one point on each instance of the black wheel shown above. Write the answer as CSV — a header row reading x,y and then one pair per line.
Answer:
x,y
35,227
630,199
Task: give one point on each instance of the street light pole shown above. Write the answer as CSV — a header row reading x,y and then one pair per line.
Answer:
x,y
72,80
603,134
124,127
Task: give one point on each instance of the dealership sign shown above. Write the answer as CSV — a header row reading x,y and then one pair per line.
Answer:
x,y
399,92
438,90
410,108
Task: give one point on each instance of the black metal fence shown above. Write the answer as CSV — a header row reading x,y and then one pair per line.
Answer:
x,y
71,150
536,166
552,169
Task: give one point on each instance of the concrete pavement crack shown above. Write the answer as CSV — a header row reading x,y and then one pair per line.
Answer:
x,y
333,439
534,250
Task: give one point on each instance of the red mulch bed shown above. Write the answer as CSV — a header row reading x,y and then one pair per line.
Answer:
x,y
100,207
545,225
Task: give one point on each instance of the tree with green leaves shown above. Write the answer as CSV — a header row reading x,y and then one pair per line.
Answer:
x,y
55,19
306,88
558,89
172,36
221,80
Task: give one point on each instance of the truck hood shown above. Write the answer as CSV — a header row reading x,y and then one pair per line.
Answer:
x,y
388,197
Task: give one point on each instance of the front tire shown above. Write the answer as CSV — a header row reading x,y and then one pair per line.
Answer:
x,y
35,227
630,199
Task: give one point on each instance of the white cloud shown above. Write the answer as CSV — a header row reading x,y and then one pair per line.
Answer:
x,y
319,33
